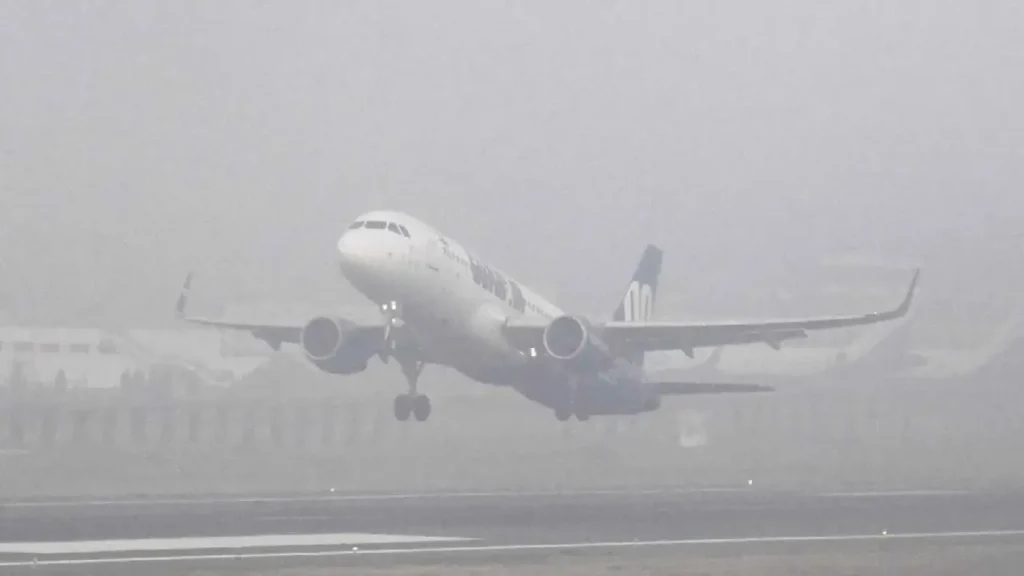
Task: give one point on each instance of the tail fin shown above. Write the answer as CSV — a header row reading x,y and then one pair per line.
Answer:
x,y
179,307
637,304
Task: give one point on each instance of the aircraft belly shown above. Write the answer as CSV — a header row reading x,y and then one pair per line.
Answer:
x,y
442,329
551,389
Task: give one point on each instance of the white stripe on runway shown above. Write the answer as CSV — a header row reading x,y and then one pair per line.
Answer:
x,y
331,497
215,543
895,493
523,548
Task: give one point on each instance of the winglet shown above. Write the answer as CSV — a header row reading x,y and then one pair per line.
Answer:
x,y
904,307
179,308
909,298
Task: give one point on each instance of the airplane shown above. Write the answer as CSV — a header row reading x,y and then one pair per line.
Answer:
x,y
441,304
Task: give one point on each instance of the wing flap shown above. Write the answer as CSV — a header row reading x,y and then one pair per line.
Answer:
x,y
262,330
667,341
693,388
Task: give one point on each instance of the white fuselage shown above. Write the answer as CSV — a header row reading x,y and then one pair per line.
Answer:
x,y
452,303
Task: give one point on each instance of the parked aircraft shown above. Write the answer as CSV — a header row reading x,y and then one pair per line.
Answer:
x,y
61,357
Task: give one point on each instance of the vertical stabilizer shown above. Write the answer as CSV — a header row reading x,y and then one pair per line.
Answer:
x,y
637,305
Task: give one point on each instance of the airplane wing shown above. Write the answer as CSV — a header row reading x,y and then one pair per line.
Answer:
x,y
681,388
263,331
668,335
274,333
653,336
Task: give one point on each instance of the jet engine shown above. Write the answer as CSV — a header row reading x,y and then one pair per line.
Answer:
x,y
331,348
571,339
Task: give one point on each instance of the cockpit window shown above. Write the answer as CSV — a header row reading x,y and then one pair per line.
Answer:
x,y
356,224
394,228
405,231
376,224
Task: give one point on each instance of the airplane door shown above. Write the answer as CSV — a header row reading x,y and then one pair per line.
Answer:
x,y
425,255
419,253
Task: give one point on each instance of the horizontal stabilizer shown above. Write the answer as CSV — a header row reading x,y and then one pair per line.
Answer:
x,y
680,388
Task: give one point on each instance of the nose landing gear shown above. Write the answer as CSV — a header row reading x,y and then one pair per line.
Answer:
x,y
392,319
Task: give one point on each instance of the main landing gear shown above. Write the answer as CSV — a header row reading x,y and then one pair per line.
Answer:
x,y
564,413
412,403
574,402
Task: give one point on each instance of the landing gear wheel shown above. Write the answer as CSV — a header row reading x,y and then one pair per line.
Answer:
x,y
403,407
582,414
412,402
563,414
421,407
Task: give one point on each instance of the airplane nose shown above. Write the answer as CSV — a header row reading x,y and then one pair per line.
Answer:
x,y
350,252
363,253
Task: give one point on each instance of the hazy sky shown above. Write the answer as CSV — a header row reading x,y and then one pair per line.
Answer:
x,y
139,140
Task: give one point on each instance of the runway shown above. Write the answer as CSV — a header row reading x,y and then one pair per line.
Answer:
x,y
379,530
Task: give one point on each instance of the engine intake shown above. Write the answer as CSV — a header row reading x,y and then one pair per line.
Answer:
x,y
565,338
571,339
332,348
322,338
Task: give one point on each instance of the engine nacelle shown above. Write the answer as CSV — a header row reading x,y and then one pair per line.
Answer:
x,y
327,345
571,339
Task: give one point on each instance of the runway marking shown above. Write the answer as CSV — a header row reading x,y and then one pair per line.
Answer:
x,y
216,543
329,497
895,493
522,548
296,518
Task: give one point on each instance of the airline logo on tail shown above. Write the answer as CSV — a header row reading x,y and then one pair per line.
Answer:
x,y
638,305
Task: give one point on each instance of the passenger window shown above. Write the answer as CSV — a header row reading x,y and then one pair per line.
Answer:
x,y
49,348
394,228
80,348
356,224
24,347
376,225
405,231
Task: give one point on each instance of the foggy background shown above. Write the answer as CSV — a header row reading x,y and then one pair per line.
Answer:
x,y
753,141
139,141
